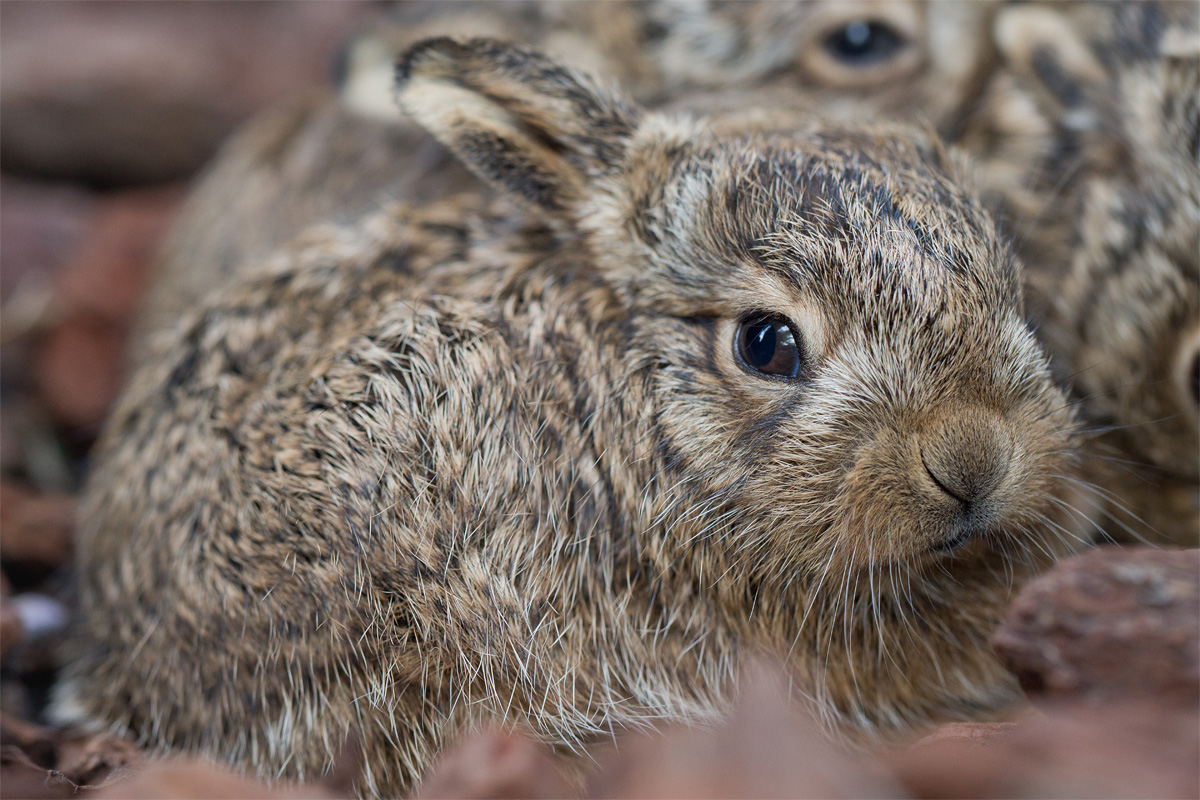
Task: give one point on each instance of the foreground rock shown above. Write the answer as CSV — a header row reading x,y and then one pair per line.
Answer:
x,y
767,748
498,764
1114,623
195,780
1123,750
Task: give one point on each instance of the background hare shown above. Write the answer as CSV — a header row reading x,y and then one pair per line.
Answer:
x,y
707,395
1102,188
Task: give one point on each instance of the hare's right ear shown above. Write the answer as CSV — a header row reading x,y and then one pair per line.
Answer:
x,y
524,123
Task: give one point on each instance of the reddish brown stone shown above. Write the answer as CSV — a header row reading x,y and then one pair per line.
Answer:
x,y
108,272
195,780
975,732
1112,623
79,362
48,762
28,754
96,759
494,763
20,778
1123,750
11,629
35,528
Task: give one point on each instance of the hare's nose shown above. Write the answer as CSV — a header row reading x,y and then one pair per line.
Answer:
x,y
968,455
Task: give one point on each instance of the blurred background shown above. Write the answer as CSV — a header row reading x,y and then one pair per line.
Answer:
x,y
107,109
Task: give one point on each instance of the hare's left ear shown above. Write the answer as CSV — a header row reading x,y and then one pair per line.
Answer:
x,y
527,125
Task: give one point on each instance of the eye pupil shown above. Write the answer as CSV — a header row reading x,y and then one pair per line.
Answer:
x,y
857,35
767,344
760,346
862,42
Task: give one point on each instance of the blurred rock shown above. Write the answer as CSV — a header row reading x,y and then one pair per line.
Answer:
x,y
35,528
765,750
11,629
1112,623
27,761
976,732
40,614
195,780
95,759
79,369
1123,750
79,362
118,92
108,272
494,764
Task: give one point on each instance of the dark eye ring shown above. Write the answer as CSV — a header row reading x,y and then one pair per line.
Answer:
x,y
769,344
864,42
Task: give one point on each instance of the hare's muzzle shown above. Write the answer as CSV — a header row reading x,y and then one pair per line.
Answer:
x,y
967,456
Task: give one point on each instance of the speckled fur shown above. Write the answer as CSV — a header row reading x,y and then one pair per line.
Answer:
x,y
481,461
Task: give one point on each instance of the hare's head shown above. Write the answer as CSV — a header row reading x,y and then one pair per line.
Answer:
x,y
907,58
833,329
842,56
1121,84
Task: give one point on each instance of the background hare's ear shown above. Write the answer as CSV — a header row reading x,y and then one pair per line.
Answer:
x,y
523,122
1052,60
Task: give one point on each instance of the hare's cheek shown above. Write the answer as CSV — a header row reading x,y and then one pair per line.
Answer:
x,y
891,511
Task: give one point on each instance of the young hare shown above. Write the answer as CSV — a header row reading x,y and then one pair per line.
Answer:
x,y
707,395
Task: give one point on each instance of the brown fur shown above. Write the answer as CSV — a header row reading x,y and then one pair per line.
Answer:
x,y
471,462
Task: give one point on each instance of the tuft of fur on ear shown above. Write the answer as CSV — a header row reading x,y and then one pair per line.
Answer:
x,y
524,123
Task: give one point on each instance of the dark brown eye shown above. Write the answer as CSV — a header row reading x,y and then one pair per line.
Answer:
x,y
768,344
864,42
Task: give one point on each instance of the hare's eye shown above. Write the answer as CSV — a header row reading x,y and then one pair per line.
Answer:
x,y
768,344
864,42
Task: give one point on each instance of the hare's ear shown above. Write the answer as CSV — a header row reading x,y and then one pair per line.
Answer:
x,y
1058,67
526,124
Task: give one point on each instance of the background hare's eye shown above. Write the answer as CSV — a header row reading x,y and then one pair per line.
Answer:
x,y
864,42
768,344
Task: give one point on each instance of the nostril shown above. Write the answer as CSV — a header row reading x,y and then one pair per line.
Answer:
x,y
944,484
967,457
